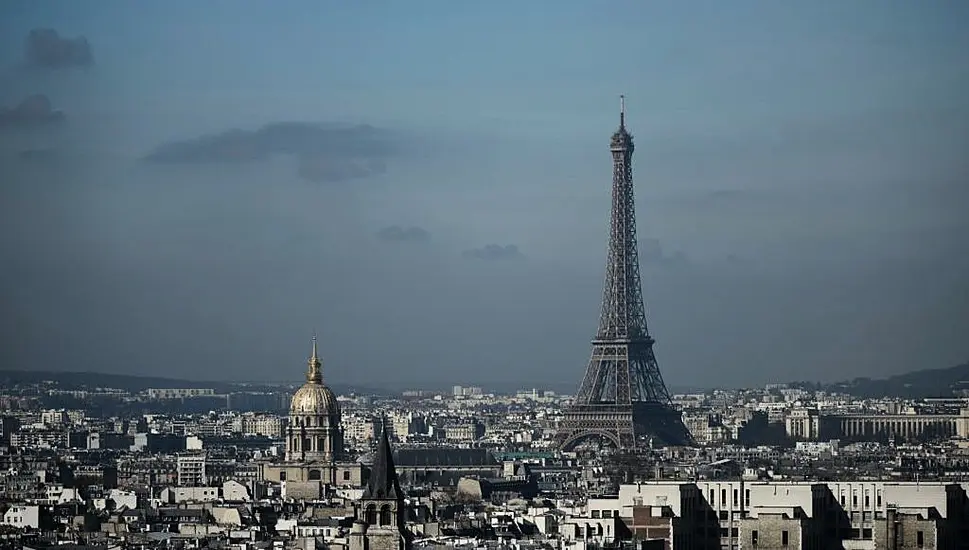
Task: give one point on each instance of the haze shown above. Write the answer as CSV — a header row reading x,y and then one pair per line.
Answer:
x,y
801,172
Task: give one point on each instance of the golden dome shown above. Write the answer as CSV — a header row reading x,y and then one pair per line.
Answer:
x,y
314,398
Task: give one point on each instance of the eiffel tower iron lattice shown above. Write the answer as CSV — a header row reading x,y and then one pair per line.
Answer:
x,y
622,398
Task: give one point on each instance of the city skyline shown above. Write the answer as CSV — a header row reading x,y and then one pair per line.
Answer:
x,y
801,191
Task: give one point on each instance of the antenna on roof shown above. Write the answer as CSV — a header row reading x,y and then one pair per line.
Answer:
x,y
622,111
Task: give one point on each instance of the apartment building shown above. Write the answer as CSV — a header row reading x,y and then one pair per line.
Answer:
x,y
789,515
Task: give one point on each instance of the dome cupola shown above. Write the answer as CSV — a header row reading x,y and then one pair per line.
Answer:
x,y
314,398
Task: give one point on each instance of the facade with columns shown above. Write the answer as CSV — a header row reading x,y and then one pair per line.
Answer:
x,y
314,440
803,424
901,426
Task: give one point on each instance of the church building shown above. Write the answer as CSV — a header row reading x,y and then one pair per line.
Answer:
x,y
314,441
381,514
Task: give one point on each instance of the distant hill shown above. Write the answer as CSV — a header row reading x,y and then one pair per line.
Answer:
x,y
913,385
91,380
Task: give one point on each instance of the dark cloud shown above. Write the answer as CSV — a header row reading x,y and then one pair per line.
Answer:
x,y
44,48
396,233
325,153
34,111
330,168
651,253
227,147
494,252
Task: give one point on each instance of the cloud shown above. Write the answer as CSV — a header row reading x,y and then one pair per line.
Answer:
x,y
397,234
494,252
227,147
46,49
31,112
324,153
651,253
332,168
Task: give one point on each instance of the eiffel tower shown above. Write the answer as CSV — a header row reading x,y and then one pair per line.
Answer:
x,y
623,399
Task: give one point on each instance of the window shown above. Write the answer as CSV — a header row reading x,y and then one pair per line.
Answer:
x,y
723,497
723,515
595,514
784,538
866,534
920,539
867,501
734,532
854,501
346,475
747,497
385,515
878,500
736,498
842,501
282,476
753,538
370,515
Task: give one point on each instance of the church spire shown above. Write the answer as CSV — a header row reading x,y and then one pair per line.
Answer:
x,y
314,374
383,483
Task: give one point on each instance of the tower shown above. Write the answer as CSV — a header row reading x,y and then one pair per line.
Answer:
x,y
381,513
622,398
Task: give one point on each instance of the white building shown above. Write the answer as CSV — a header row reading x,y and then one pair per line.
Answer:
x,y
191,470
250,424
360,428
22,517
812,515
178,393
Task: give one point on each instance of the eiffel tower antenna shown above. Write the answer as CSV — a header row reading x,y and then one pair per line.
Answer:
x,y
622,398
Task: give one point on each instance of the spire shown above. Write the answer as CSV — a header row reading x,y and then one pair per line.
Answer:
x,y
314,374
621,139
622,111
383,483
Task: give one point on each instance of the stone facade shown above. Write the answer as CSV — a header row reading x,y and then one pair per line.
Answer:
x,y
339,474
380,514
314,441
778,531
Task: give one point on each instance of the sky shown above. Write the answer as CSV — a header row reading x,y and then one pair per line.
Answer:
x,y
192,189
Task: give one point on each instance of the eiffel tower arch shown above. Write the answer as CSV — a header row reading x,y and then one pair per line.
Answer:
x,y
622,399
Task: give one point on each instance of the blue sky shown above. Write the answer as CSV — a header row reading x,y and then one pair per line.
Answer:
x,y
807,159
